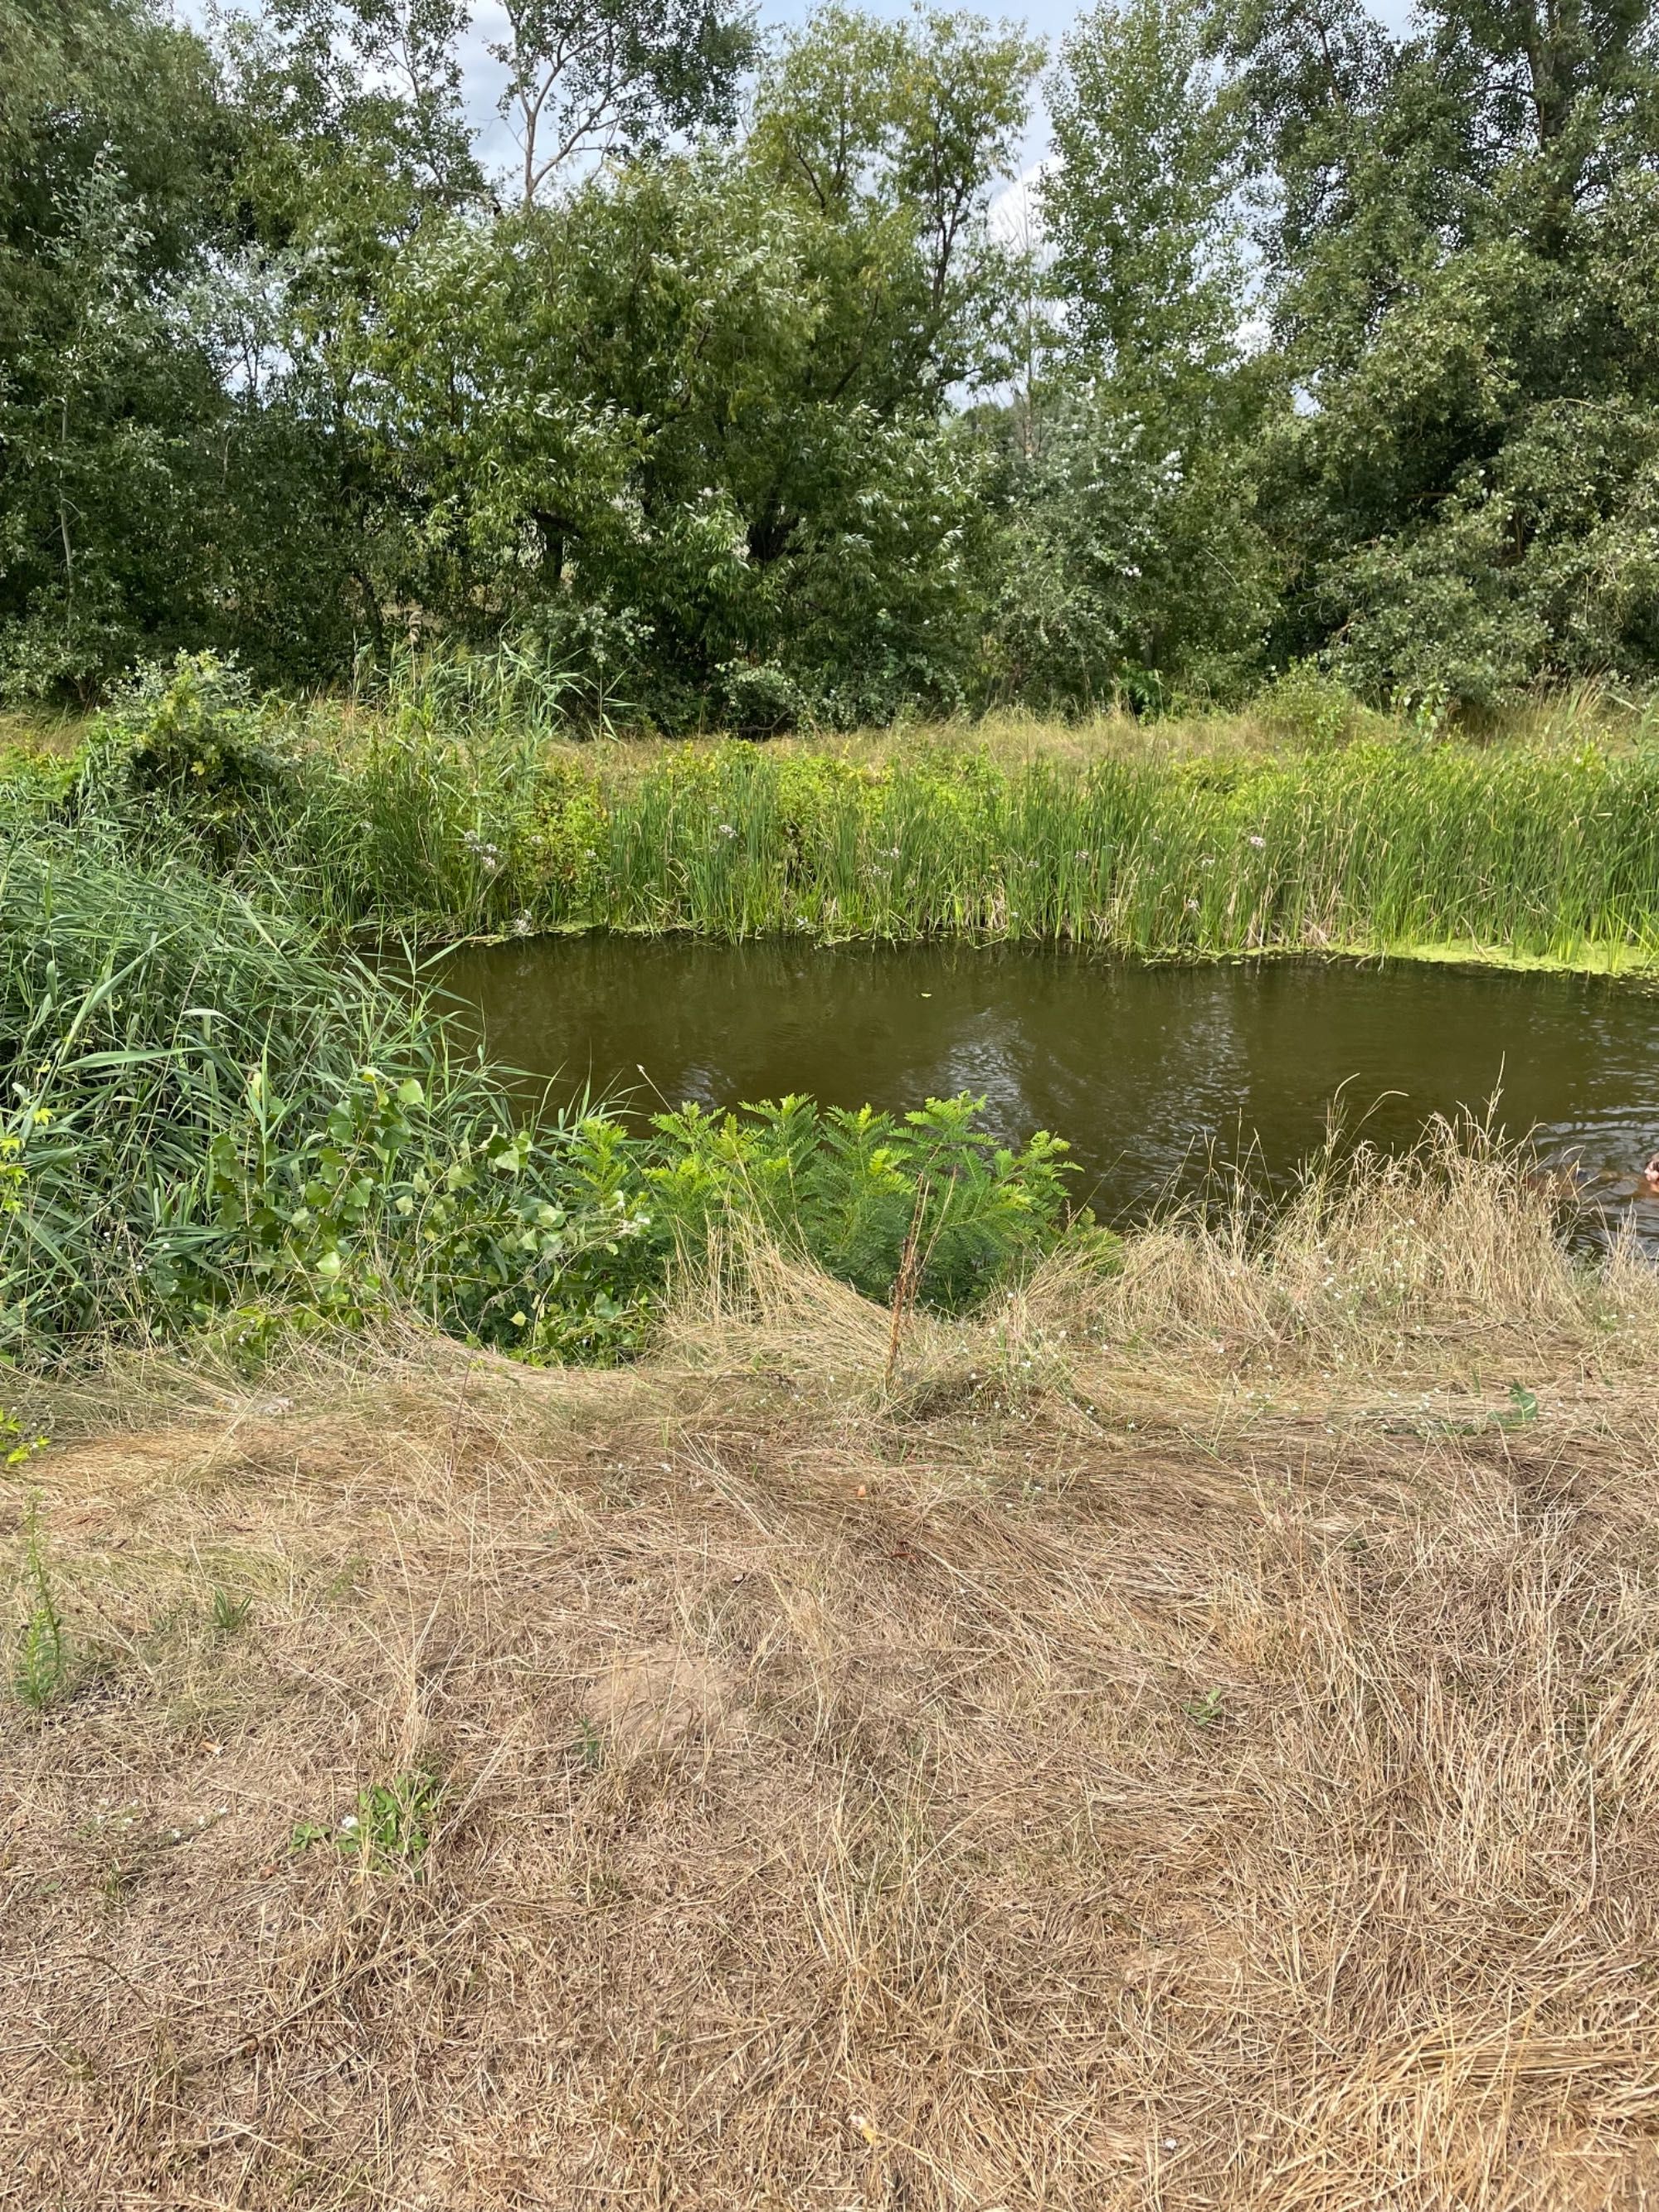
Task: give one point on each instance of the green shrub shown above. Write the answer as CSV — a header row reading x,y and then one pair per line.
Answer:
x,y
850,1187
1308,705
184,747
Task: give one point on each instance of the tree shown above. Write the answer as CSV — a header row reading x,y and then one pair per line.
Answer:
x,y
1141,201
1463,265
589,77
690,422
889,138
1130,557
111,411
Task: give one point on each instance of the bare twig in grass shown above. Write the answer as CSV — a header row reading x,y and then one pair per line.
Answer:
x,y
905,1282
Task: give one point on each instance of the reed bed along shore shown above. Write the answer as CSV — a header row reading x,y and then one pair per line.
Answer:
x,y
1303,825
1188,1739
1531,850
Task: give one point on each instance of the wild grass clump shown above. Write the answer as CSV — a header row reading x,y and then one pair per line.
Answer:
x,y
209,1119
1365,1249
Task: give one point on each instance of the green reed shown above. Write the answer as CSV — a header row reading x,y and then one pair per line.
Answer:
x,y
1380,846
456,806
148,1014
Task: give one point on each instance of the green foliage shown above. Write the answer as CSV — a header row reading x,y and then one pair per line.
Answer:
x,y
111,405
203,1113
1142,206
1131,557
388,1830
1464,257
35,787
44,1663
1335,345
688,427
1128,560
849,1188
182,750
1306,705
19,1449
610,74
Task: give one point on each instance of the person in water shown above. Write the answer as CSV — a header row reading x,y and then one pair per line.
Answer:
x,y
1651,1174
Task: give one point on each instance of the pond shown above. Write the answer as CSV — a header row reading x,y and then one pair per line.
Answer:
x,y
1147,1071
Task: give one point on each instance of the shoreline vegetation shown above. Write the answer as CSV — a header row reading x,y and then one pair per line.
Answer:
x,y
1182,1736
456,804
220,1116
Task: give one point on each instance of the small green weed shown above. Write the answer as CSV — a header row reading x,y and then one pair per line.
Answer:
x,y
1523,1408
229,1614
1206,1712
19,1449
389,1827
44,1660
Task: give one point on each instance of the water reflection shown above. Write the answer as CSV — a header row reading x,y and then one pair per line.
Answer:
x,y
1144,1070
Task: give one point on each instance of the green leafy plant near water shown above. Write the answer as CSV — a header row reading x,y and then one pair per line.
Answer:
x,y
208,1119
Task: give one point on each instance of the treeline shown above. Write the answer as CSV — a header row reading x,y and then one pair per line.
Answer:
x,y
733,403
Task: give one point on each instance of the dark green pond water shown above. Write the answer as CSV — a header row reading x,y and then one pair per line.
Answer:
x,y
1148,1072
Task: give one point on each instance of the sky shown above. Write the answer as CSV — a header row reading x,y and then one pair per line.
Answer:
x,y
1048,19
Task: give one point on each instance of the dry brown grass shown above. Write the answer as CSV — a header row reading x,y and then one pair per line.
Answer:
x,y
1588,712
1188,1744
41,731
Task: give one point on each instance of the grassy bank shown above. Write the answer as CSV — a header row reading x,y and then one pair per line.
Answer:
x,y
1182,1739
1271,832
211,1119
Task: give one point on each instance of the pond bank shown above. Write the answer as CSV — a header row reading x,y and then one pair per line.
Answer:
x,y
1206,840
1527,855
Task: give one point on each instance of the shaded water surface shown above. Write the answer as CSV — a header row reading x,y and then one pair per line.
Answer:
x,y
1145,1070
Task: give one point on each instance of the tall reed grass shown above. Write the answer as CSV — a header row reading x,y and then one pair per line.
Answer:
x,y
168,1046
1378,847
453,810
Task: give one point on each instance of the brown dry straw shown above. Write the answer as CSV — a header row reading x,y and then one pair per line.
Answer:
x,y
1192,1740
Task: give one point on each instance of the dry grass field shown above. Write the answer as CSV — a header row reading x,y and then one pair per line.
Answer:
x,y
1184,1740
